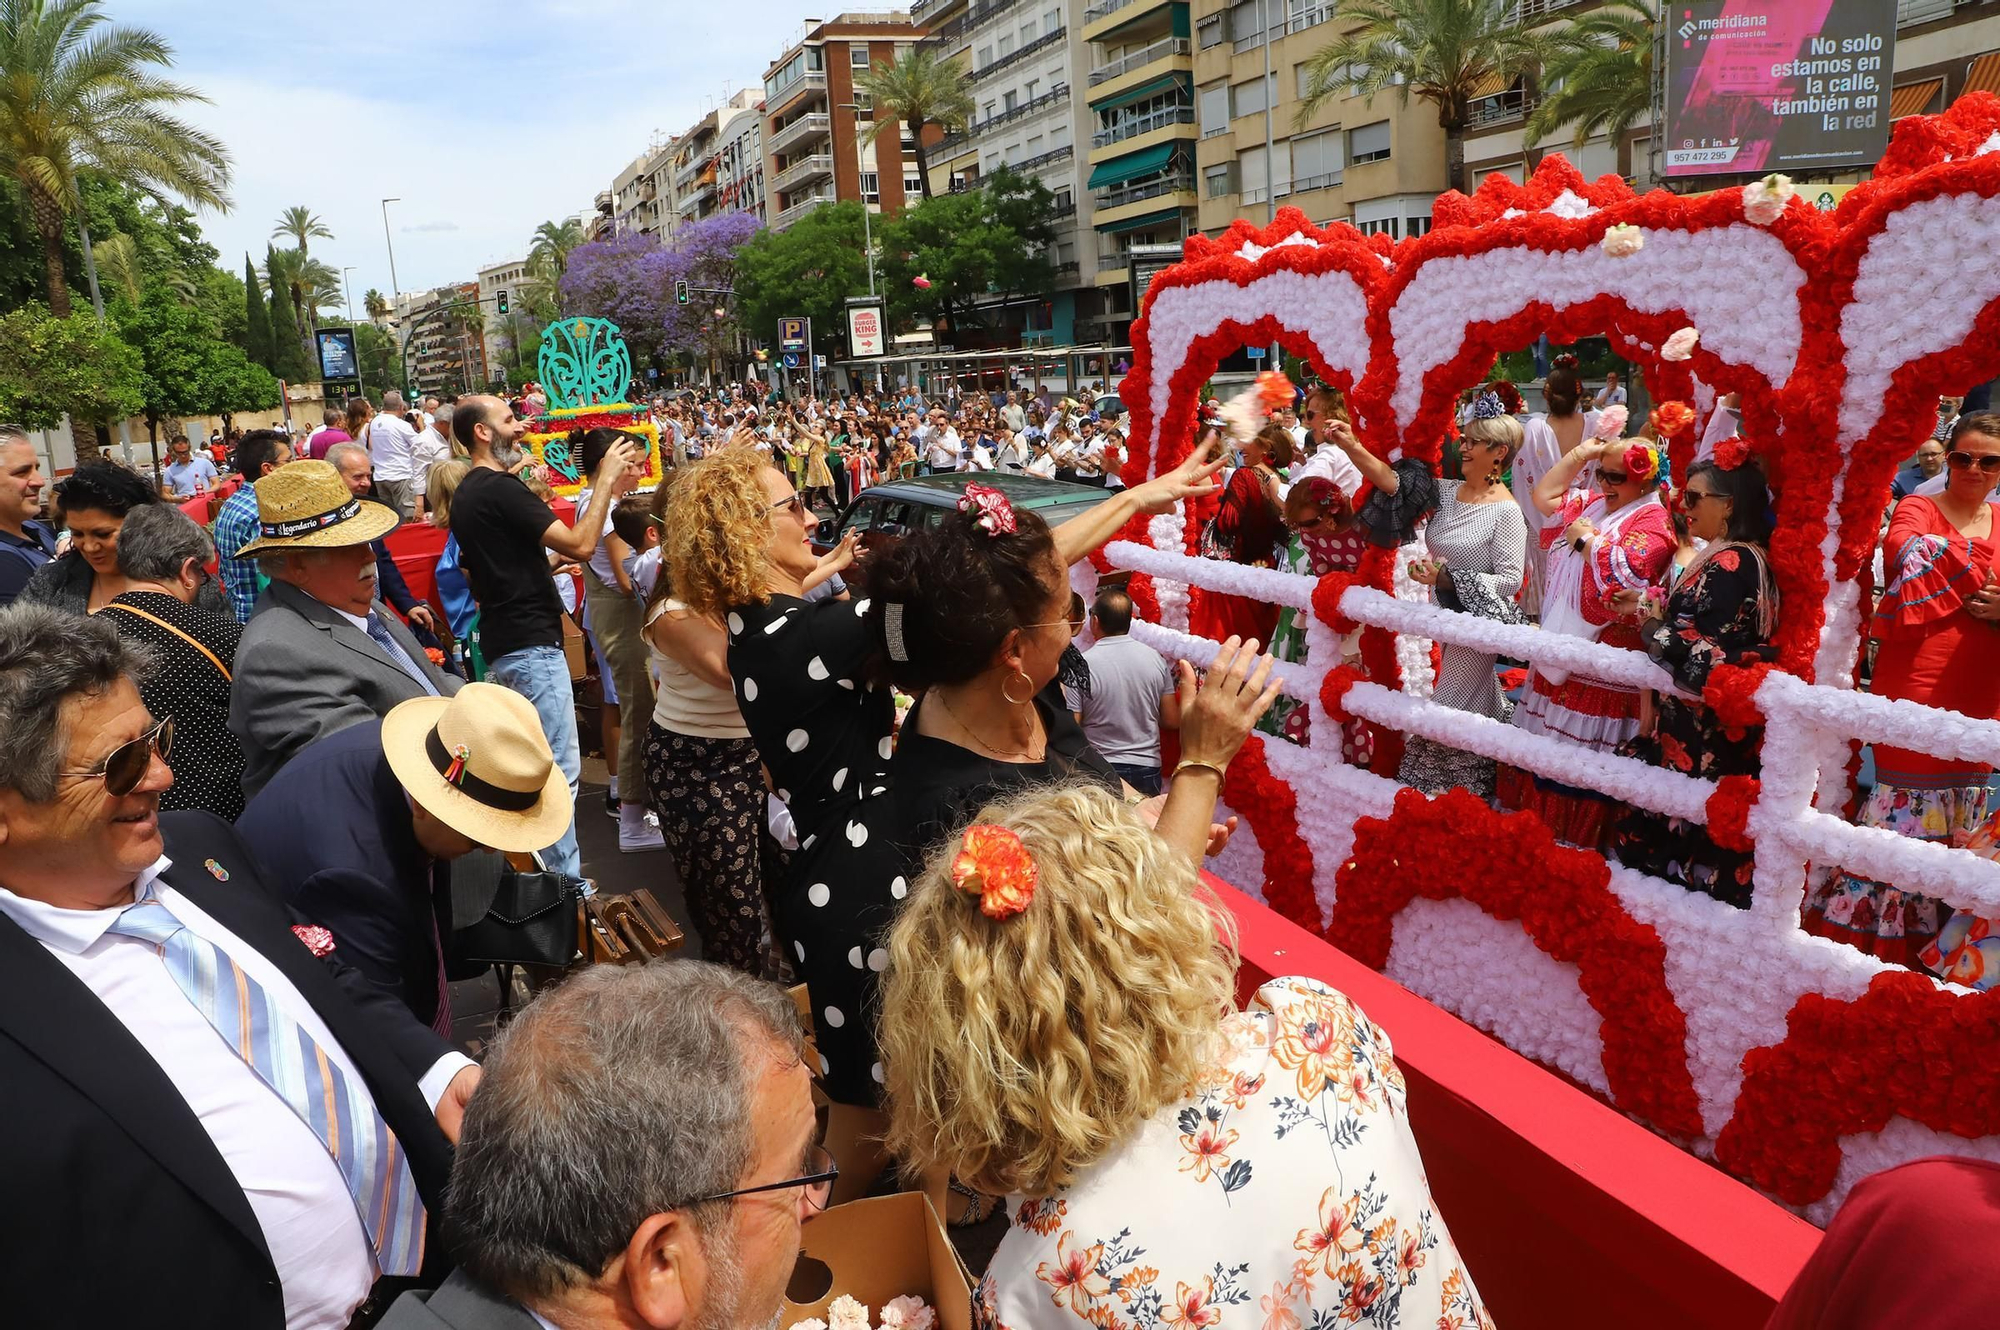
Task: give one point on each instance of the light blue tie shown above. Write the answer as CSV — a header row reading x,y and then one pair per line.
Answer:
x,y
298,1071
380,632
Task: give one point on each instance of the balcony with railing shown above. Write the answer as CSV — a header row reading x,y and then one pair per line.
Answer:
x,y
811,80
1049,158
1018,54
1498,109
688,172
1528,11
800,206
1125,64
816,167
1142,124
951,143
1909,13
975,16
1173,182
812,125
1106,8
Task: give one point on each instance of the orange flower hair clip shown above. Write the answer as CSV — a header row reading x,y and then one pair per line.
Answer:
x,y
994,865
1670,418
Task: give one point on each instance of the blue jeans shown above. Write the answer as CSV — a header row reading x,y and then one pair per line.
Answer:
x,y
1146,780
541,674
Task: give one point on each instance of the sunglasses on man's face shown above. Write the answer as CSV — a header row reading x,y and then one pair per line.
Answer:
x,y
126,765
1964,461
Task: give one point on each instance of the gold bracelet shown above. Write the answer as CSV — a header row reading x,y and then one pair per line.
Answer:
x,y
1187,762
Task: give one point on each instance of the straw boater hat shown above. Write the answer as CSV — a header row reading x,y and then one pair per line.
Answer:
x,y
477,762
305,505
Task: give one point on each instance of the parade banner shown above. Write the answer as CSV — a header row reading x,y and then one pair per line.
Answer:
x,y
1755,87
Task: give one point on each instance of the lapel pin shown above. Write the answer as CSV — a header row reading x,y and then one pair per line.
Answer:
x,y
216,870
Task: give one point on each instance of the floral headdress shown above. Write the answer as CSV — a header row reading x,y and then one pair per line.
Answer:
x,y
991,510
1487,406
1246,413
1642,462
995,866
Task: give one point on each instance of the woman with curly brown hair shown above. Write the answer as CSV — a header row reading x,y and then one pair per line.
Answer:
x,y
1058,1028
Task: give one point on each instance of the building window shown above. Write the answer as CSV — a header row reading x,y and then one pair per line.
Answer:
x,y
1208,32
1009,100
982,57
1219,181
871,186
1316,160
913,185
1034,86
1035,146
1416,226
1251,175
1369,143
864,106
1307,13
1249,97
1215,110
1006,45
1027,33
1052,21
986,111
857,57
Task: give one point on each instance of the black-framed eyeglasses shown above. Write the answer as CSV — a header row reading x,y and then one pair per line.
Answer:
x,y
818,1185
1964,461
126,765
796,503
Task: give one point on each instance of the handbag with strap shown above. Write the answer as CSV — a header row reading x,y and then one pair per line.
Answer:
x,y
531,920
213,659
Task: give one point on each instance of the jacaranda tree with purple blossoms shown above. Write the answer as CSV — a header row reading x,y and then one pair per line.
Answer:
x,y
630,280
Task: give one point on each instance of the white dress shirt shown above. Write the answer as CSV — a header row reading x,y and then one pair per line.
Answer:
x,y
941,449
401,659
294,1188
426,451
392,444
1329,463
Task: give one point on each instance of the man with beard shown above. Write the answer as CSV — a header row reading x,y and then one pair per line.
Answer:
x,y
504,537
566,1211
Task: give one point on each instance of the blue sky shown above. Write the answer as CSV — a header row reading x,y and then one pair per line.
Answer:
x,y
485,119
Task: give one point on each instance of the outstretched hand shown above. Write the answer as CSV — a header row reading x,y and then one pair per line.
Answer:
x,y
1218,716
1192,479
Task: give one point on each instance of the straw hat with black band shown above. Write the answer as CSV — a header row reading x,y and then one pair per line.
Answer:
x,y
477,761
305,505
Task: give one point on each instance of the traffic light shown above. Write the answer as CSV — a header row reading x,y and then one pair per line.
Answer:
x,y
502,305
680,293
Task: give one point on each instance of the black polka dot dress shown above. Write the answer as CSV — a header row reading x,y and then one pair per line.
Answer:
x,y
824,729
191,650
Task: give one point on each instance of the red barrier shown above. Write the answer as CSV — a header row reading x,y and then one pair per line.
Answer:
x,y
415,546
1567,1212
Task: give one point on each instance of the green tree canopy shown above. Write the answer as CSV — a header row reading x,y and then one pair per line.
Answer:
x,y
922,88
256,318
979,242
808,269
81,93
51,367
288,351
1600,74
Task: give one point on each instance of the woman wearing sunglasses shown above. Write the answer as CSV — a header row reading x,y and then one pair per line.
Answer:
x,y
1594,546
1938,626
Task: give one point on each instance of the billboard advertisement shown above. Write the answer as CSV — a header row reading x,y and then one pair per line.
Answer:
x,y
337,357
1755,87
864,331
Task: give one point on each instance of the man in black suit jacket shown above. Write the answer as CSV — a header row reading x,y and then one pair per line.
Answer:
x,y
158,1179
358,830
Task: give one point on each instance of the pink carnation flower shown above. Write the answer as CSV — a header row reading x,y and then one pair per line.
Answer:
x,y
1610,423
908,1313
847,1314
1681,345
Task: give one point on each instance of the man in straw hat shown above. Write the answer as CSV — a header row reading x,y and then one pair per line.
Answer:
x,y
357,830
321,652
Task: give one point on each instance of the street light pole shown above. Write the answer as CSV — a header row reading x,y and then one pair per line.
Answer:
x,y
348,292
867,229
394,287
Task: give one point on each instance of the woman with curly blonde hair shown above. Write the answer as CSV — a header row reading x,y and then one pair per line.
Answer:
x,y
1057,1027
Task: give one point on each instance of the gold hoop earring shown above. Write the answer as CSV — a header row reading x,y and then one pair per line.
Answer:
x,y
1007,683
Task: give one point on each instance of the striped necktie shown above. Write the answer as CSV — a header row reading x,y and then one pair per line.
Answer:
x,y
288,1060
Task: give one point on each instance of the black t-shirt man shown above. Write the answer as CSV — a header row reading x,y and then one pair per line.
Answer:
x,y
499,524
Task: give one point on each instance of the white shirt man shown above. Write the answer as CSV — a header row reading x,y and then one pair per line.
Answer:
x,y
1612,394
430,447
941,448
392,443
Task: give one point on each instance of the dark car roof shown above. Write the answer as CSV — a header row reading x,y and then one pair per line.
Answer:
x,y
1023,491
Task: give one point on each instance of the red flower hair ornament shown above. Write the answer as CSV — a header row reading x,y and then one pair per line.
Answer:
x,y
1642,462
995,866
1732,452
990,509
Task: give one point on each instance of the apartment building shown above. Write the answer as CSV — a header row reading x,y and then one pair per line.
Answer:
x,y
1373,161
502,329
1027,70
812,120
642,199
733,131
443,354
1944,49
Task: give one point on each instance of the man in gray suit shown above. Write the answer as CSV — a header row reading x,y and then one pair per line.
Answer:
x,y
321,652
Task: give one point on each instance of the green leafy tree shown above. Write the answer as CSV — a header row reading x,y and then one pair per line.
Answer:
x,y
1600,74
174,352
376,352
1442,51
235,384
52,366
921,88
288,350
303,283
80,93
807,269
302,225
219,297
993,240
256,319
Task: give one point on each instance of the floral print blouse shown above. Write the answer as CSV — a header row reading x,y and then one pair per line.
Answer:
x,y
1285,1194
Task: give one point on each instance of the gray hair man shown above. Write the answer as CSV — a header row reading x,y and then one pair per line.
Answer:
x,y
195,1156
392,444
566,1209
1132,695
433,446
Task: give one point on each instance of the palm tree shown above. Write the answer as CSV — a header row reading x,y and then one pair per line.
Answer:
x,y
550,246
1443,51
1600,75
306,283
81,94
301,225
376,304
923,88
119,264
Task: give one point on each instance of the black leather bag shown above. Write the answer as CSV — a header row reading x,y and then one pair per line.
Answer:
x,y
531,920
